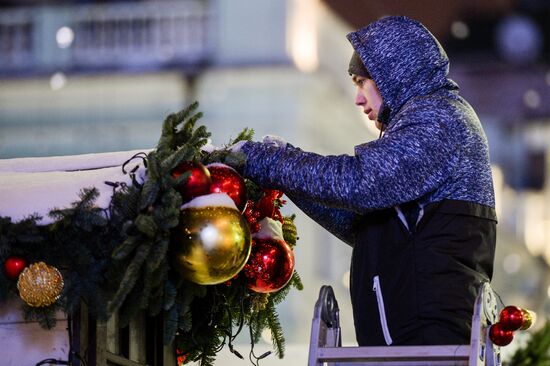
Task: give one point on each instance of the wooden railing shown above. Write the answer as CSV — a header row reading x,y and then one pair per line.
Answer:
x,y
105,343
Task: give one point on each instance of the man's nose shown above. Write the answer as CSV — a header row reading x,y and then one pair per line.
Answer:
x,y
360,98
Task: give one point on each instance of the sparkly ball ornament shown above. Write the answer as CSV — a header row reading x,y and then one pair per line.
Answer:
x,y
226,180
529,318
252,216
500,336
267,205
40,284
13,266
198,183
212,242
271,262
511,318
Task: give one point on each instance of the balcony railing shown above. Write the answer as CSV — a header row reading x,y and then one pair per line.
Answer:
x,y
141,34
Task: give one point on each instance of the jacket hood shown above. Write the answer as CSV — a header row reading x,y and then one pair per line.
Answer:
x,y
404,60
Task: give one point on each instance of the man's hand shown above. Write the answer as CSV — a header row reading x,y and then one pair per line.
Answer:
x,y
237,147
273,140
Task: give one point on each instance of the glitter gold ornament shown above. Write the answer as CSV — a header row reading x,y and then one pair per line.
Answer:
x,y
40,284
211,244
529,318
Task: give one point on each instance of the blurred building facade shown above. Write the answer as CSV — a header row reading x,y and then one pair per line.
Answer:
x,y
81,77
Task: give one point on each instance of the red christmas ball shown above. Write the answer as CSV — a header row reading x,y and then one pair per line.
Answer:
x,y
267,206
13,266
511,318
226,180
198,183
500,336
270,265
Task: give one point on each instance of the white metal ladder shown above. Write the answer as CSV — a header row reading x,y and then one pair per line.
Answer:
x,y
326,342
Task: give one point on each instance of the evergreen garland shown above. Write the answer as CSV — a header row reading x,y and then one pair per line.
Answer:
x,y
117,259
536,352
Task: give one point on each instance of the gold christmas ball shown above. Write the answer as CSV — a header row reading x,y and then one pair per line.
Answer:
x,y
211,244
40,284
529,318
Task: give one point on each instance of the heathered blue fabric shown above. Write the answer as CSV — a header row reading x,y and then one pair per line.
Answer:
x,y
434,147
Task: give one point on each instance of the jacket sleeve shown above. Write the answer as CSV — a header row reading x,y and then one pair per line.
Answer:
x,y
412,159
338,222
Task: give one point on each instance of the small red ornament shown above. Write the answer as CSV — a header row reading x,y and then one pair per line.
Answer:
x,y
511,318
269,204
270,265
226,180
500,336
13,266
198,183
182,358
252,216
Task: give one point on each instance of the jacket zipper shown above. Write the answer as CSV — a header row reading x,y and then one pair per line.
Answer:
x,y
380,300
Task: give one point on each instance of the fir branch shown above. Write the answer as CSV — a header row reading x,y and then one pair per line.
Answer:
x,y
167,216
246,134
153,166
184,153
184,115
130,277
157,255
157,298
166,141
170,324
237,160
126,248
253,191
146,287
257,322
277,336
296,281
125,203
536,351
44,315
170,294
149,194
146,225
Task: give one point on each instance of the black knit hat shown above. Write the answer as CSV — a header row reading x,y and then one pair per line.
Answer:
x,y
356,66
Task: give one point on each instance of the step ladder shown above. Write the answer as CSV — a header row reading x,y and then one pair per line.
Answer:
x,y
326,342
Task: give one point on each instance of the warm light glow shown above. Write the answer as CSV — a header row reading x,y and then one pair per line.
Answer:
x,y
536,228
531,99
64,37
546,232
302,34
498,184
266,335
58,81
511,263
460,30
345,279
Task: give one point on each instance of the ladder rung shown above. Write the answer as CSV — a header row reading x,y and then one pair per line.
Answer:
x,y
395,353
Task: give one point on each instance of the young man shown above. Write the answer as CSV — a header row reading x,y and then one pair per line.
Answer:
x,y
416,205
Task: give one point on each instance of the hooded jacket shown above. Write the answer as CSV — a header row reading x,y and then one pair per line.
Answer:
x,y
417,205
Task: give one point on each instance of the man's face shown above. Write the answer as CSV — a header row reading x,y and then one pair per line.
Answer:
x,y
368,97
